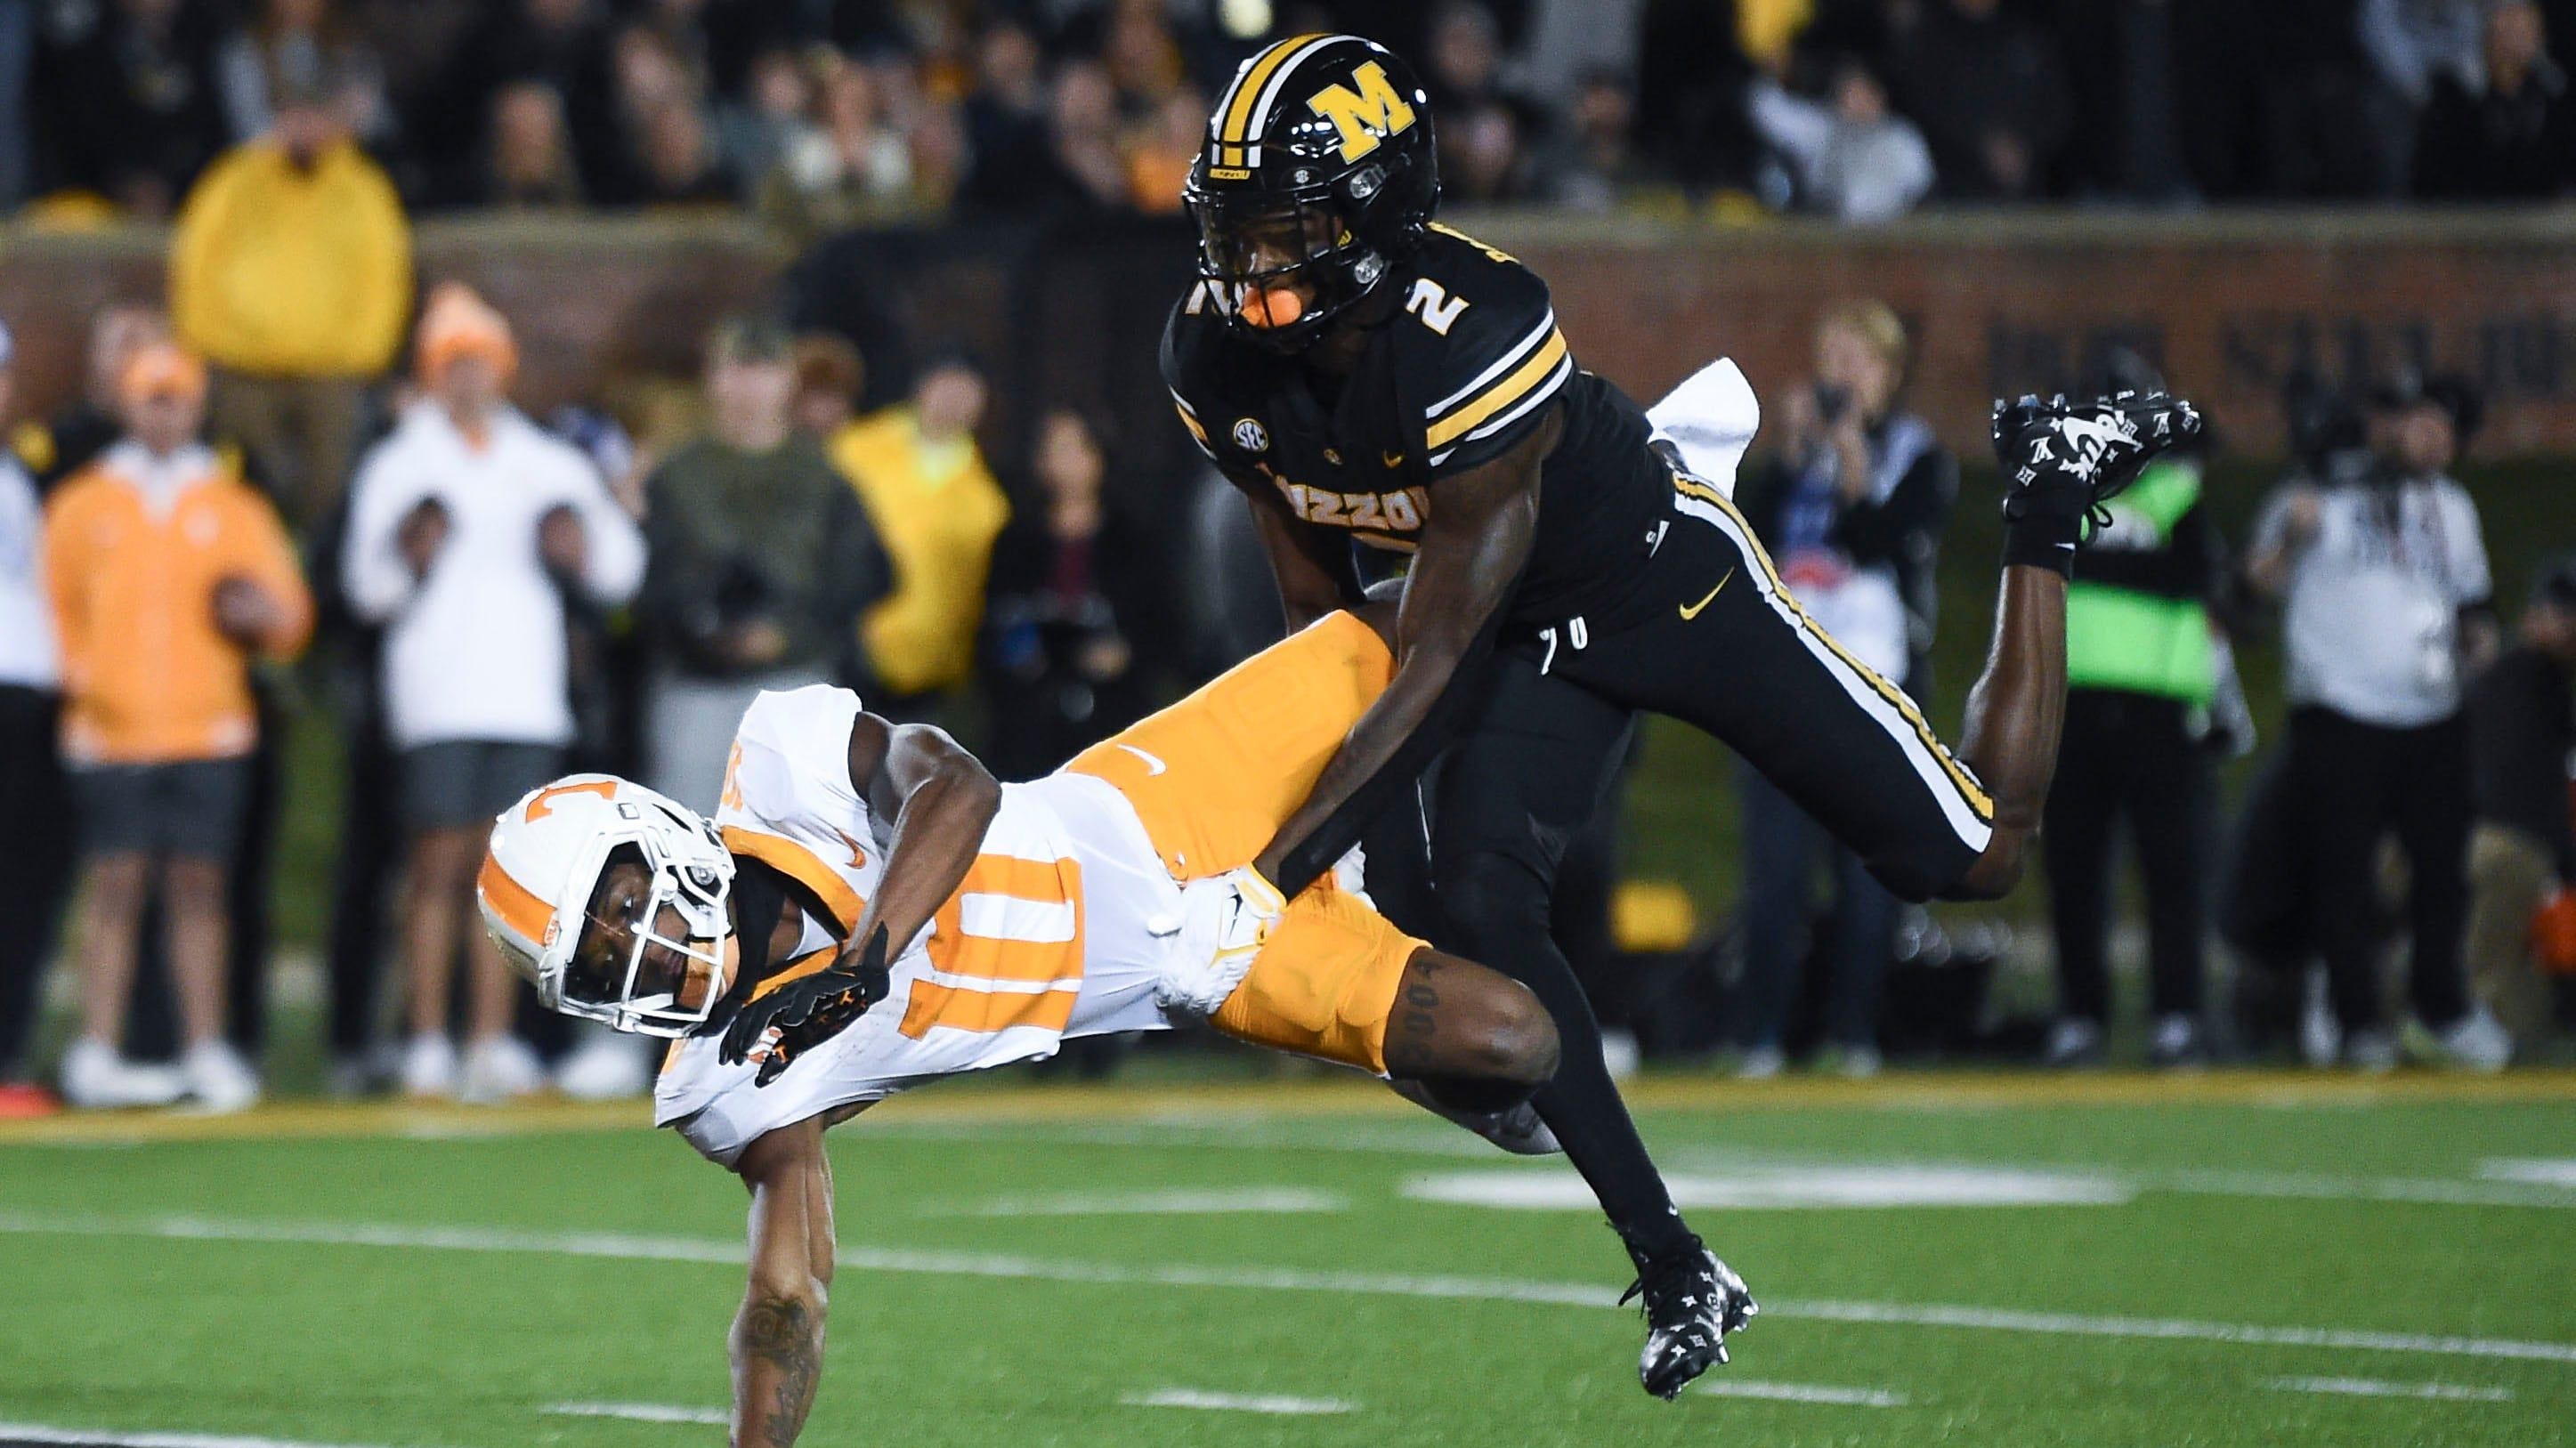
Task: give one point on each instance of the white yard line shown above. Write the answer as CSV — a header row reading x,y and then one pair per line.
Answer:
x,y
2376,1388
2556,1171
640,1412
2434,1190
1289,1200
1237,1402
1366,1138
1726,1387
48,1433
1275,1279
2539,1184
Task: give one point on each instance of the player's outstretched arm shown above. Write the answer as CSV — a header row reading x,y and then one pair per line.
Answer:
x,y
1470,556
2015,713
777,1339
2060,462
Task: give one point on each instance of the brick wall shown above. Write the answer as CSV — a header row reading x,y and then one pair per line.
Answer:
x,y
1998,304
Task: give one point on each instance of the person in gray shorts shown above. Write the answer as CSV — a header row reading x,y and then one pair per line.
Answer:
x,y
190,809
457,784
469,526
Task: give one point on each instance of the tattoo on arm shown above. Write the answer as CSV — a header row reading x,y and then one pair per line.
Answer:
x,y
785,1336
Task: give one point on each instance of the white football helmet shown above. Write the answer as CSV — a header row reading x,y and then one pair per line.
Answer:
x,y
541,894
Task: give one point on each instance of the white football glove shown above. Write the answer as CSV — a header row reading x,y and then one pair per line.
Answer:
x,y
1225,920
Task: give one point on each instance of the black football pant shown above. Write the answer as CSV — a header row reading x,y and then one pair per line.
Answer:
x,y
2127,758
35,863
1711,638
2355,783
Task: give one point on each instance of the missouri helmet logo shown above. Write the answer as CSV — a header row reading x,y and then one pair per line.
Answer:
x,y
1250,435
1367,116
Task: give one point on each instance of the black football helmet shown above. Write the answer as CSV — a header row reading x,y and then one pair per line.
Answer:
x,y
1319,170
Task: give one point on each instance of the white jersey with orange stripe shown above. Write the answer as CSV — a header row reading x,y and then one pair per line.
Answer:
x,y
1062,927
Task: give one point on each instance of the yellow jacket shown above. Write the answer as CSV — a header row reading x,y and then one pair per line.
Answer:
x,y
133,550
291,273
937,510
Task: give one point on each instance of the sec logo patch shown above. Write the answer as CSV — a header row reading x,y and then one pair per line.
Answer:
x,y
1250,435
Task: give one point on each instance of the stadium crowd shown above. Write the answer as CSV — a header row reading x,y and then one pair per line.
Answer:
x,y
819,114
293,488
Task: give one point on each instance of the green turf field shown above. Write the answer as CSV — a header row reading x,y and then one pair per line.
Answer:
x,y
2229,1260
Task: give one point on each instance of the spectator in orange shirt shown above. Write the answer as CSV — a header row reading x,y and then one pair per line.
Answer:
x,y
166,575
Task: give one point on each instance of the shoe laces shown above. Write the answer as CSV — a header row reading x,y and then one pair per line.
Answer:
x,y
1660,1278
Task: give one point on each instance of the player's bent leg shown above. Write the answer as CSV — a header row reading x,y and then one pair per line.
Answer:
x,y
1476,1039
1325,983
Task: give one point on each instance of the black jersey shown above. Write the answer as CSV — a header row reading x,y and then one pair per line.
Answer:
x,y
1459,376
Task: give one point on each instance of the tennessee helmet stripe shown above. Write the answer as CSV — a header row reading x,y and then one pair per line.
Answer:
x,y
1538,369
1237,111
803,866
517,905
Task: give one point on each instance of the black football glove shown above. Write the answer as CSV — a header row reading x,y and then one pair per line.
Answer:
x,y
2062,461
805,1013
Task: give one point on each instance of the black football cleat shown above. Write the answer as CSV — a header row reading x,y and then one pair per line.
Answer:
x,y
1692,1301
2067,459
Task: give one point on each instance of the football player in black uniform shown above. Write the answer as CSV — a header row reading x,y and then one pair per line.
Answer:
x,y
1366,374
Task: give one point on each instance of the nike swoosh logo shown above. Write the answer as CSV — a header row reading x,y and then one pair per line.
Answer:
x,y
1153,766
1691,611
1393,460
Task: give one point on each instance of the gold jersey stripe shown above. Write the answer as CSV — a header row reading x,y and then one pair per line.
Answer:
x,y
1512,388
1978,800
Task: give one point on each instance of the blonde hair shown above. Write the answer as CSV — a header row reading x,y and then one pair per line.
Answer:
x,y
1874,322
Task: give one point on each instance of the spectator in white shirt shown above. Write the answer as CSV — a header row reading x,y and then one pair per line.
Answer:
x,y
1851,158
2386,607
467,526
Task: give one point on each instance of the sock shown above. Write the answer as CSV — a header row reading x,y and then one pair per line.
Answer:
x,y
1582,1106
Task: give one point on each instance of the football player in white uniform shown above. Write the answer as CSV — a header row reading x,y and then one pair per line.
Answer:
x,y
869,910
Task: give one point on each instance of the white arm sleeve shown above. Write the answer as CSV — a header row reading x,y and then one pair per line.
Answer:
x,y
373,573
1800,127
2471,582
616,546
